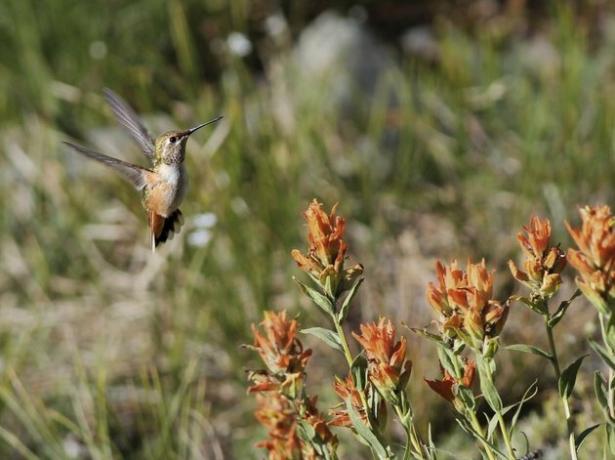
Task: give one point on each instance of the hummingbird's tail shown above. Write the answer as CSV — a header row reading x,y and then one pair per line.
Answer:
x,y
164,228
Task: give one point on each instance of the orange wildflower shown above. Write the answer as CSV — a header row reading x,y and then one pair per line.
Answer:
x,y
277,415
326,249
464,301
388,368
595,258
543,263
346,389
281,351
446,387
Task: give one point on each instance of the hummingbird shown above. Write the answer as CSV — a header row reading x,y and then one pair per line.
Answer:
x,y
164,183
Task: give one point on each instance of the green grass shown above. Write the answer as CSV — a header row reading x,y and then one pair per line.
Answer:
x,y
124,354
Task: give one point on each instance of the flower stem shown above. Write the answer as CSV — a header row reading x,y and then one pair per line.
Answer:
x,y
479,429
610,393
556,367
349,359
412,438
505,436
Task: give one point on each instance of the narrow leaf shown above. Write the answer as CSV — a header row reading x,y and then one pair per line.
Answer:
x,y
561,310
345,307
319,299
531,391
491,427
600,393
604,354
359,372
529,349
568,378
329,337
448,360
585,433
425,333
490,393
365,432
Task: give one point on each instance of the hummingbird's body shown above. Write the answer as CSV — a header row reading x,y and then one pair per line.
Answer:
x,y
164,184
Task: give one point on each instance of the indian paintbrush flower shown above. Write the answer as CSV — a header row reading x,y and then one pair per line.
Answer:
x,y
595,258
388,368
346,389
276,413
464,301
543,263
282,353
283,405
324,260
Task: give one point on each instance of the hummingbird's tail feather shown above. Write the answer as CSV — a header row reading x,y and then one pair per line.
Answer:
x,y
163,228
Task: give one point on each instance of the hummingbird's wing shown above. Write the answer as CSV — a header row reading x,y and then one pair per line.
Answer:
x,y
133,173
129,119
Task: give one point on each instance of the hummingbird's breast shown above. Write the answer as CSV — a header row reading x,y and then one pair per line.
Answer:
x,y
166,189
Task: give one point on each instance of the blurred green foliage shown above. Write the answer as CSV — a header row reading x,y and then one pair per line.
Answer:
x,y
110,352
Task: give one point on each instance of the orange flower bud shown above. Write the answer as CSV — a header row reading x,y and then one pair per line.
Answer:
x,y
541,260
326,253
464,301
595,258
388,368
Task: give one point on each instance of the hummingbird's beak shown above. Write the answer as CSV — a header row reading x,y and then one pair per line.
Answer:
x,y
196,128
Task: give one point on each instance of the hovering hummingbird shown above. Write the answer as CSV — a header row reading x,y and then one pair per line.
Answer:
x,y
164,184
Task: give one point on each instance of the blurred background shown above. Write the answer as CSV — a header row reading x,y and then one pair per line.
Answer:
x,y
439,127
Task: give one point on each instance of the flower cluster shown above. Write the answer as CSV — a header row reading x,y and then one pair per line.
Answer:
x,y
388,368
282,353
283,406
324,260
447,387
543,263
464,301
347,391
278,415
595,258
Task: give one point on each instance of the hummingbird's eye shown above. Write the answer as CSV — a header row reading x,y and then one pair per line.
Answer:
x,y
172,139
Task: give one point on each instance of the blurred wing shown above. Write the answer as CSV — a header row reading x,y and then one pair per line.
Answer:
x,y
133,173
129,119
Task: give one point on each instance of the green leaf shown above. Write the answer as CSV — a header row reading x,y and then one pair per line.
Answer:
x,y
468,428
359,372
568,378
531,391
306,431
561,310
425,333
529,349
345,307
467,397
610,435
585,433
600,391
604,354
319,299
448,360
490,393
331,338
365,432
491,427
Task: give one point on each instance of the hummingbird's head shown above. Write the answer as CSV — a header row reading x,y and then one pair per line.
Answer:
x,y
171,146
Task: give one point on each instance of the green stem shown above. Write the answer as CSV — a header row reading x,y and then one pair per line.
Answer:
x,y
412,438
479,429
349,359
556,367
610,391
505,436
